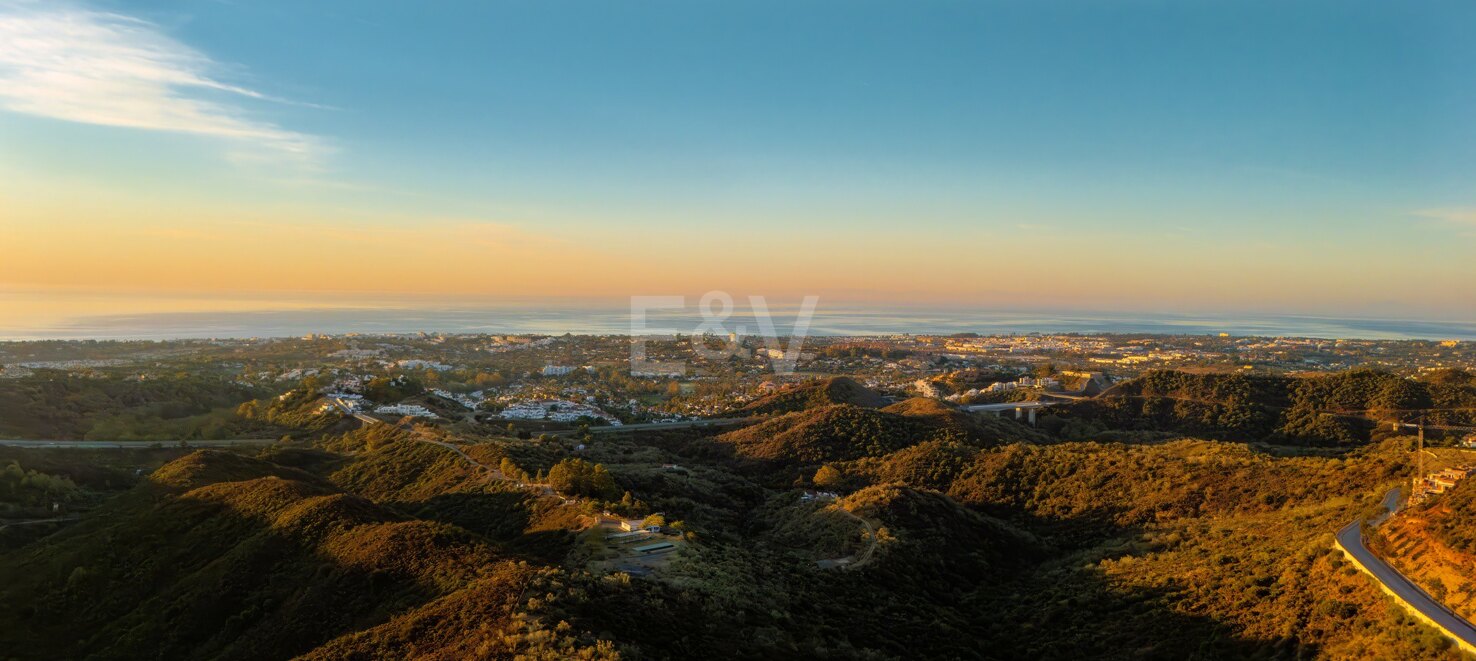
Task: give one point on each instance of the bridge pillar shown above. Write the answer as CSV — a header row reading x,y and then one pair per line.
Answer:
x,y
1019,412
1032,417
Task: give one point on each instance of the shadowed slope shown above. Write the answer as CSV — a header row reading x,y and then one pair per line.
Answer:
x,y
256,565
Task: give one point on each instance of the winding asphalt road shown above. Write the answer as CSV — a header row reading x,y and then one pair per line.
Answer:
x,y
1351,539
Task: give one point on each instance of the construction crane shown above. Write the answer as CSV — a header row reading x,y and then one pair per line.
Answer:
x,y
1419,448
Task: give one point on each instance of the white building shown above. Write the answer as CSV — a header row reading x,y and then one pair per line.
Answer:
x,y
357,353
557,410
413,410
353,401
469,400
423,365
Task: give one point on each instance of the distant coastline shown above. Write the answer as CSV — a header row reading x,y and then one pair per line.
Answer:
x,y
840,321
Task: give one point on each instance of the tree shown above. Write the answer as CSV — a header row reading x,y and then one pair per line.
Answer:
x,y
602,483
483,379
829,477
562,478
577,477
511,470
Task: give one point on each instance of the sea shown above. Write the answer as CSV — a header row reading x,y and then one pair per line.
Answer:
x,y
531,317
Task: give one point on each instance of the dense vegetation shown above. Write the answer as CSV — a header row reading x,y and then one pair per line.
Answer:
x,y
821,392
223,555
1323,410
841,432
298,409
577,477
22,489
952,536
1454,517
65,405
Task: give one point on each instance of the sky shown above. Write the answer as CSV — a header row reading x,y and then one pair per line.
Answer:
x,y
1185,155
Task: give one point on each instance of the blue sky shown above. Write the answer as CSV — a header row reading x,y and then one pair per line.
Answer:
x,y
1116,131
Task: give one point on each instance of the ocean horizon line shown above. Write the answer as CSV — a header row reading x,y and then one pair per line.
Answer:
x,y
830,322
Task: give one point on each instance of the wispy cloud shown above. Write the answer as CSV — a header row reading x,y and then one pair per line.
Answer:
x,y
391,232
72,63
1464,216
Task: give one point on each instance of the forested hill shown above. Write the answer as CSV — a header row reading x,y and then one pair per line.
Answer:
x,y
812,394
224,556
1334,409
925,540
841,432
61,405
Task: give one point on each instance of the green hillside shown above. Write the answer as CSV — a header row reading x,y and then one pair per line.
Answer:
x,y
812,394
834,531
70,406
839,431
845,432
230,557
1320,410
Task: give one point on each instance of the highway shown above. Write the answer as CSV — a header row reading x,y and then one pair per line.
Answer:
x,y
123,445
349,411
1350,538
1006,406
31,522
647,426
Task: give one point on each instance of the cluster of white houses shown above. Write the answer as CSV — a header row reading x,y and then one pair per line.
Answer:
x,y
417,364
469,400
557,410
